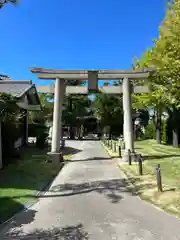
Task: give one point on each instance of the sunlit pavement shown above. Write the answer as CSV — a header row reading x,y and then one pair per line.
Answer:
x,y
89,199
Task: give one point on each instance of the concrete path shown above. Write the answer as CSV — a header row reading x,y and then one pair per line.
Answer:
x,y
89,200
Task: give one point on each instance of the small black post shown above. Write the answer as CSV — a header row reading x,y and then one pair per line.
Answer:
x,y
114,146
129,156
120,151
140,165
158,178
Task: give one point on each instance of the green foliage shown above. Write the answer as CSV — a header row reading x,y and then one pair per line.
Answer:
x,y
10,133
9,110
75,107
150,131
164,131
143,117
165,57
41,136
38,119
7,98
46,112
12,127
109,111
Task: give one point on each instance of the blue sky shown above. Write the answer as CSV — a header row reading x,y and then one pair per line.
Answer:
x,y
75,34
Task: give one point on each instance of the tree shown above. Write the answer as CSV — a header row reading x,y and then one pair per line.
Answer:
x,y
156,99
11,125
170,49
72,111
46,113
165,55
108,110
75,106
3,2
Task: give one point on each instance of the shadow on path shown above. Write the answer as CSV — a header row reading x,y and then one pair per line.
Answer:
x,y
70,150
112,189
75,232
90,159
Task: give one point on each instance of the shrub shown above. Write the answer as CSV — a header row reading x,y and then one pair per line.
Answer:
x,y
10,133
41,136
150,131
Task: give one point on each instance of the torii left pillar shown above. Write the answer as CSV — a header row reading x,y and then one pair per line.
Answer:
x,y
128,125
59,92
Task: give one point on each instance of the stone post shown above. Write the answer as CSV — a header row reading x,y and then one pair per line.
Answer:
x,y
59,92
124,122
127,108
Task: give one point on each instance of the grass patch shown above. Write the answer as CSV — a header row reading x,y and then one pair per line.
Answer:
x,y
169,160
20,182
67,157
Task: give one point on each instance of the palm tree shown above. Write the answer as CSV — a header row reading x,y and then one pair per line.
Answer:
x,y
3,2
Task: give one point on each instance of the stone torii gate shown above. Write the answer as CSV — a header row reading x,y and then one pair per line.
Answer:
x,y
61,88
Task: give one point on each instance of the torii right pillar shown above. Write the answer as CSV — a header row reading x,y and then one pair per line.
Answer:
x,y
128,124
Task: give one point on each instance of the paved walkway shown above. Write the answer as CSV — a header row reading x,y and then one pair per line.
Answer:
x,y
89,200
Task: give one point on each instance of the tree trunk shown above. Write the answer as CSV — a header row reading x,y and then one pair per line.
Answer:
x,y
158,127
71,132
175,138
110,132
175,130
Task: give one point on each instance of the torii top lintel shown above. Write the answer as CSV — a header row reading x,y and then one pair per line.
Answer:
x,y
43,73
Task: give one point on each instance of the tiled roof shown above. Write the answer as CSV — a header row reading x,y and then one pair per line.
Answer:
x,y
20,88
16,89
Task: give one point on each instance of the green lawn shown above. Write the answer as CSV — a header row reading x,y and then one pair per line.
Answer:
x,y
20,182
169,160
